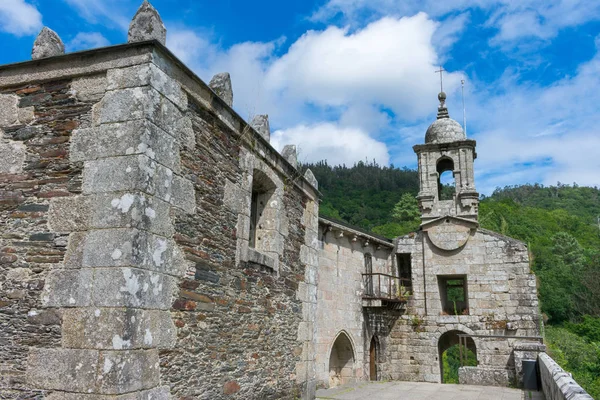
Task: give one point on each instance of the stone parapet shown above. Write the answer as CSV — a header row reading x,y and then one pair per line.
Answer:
x,y
558,384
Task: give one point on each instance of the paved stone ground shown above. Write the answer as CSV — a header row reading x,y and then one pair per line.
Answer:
x,y
424,391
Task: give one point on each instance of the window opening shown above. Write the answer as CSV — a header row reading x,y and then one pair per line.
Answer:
x,y
369,276
253,218
453,294
261,212
446,181
404,272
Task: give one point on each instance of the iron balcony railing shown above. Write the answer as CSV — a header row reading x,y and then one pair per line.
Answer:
x,y
379,286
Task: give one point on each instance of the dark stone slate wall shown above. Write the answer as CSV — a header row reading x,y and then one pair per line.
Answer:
x,y
237,322
48,113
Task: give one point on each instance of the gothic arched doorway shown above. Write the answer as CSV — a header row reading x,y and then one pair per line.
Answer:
x,y
373,359
341,361
449,351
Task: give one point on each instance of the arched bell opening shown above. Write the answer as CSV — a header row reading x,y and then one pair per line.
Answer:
x,y
446,181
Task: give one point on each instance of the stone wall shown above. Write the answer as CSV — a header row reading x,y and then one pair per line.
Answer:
x,y
558,384
502,300
124,265
239,309
36,124
339,293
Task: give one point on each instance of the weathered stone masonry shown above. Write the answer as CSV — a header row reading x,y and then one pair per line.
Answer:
x,y
154,245
126,269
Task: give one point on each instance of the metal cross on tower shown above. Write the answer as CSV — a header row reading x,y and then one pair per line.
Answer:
x,y
441,71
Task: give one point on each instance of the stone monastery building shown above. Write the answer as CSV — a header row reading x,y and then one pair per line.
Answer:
x,y
154,245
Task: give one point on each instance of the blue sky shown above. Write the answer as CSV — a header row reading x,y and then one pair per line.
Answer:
x,y
350,80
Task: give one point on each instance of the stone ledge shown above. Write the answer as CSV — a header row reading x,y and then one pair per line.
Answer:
x,y
76,64
256,257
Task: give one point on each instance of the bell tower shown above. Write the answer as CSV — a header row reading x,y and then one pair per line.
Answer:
x,y
446,148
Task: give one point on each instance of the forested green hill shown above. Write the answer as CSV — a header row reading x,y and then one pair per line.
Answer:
x,y
559,224
363,195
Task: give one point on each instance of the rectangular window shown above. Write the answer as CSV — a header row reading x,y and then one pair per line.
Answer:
x,y
404,269
453,294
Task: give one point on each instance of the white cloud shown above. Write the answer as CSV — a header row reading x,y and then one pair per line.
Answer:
x,y
339,93
390,62
338,145
87,40
246,62
513,19
190,47
19,18
359,79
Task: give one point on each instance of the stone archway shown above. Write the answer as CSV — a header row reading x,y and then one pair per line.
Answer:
x,y
341,361
449,341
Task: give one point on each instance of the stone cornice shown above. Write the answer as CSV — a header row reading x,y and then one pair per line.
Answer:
x,y
355,232
418,148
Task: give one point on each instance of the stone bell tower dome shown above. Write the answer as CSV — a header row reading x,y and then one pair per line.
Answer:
x,y
446,148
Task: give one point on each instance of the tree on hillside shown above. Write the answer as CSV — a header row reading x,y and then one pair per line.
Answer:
x,y
405,218
407,209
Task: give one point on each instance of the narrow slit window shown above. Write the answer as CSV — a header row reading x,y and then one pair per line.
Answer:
x,y
253,218
368,274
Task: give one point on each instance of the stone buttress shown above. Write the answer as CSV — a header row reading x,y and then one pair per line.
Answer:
x,y
120,272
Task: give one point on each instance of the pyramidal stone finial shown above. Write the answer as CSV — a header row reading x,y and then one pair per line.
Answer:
x,y
47,44
260,123
310,177
147,25
289,153
221,85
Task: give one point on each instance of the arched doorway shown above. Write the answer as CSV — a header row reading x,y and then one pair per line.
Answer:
x,y
341,361
373,359
449,355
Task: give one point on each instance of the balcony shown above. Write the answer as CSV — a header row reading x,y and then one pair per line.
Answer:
x,y
383,290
